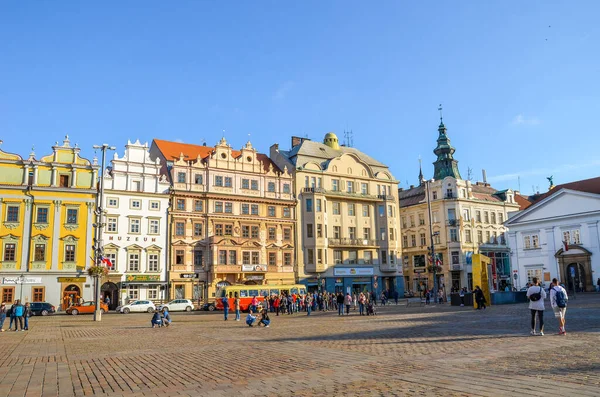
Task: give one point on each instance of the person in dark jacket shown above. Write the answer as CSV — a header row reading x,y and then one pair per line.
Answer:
x,y
156,319
27,313
3,312
264,319
340,302
479,298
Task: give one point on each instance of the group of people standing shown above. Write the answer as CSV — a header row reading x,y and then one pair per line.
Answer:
x,y
18,314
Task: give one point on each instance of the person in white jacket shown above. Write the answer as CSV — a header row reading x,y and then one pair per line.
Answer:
x,y
559,312
536,295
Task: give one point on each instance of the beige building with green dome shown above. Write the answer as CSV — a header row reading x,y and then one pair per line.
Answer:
x,y
347,214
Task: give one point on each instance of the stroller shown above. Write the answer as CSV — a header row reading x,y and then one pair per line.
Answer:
x,y
371,309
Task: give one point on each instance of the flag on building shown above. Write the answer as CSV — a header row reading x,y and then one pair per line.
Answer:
x,y
105,261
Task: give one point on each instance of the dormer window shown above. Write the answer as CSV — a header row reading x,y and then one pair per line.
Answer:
x,y
64,181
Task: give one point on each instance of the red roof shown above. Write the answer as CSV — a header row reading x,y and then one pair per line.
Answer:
x,y
173,150
591,185
522,201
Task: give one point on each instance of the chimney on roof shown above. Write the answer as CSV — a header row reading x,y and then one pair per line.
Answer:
x,y
297,140
517,192
412,186
400,189
484,176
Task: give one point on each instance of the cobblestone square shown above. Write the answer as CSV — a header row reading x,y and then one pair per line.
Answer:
x,y
441,351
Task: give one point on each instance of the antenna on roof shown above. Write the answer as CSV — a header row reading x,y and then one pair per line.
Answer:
x,y
469,174
348,138
519,181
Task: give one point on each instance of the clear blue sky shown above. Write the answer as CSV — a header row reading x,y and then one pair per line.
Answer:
x,y
519,81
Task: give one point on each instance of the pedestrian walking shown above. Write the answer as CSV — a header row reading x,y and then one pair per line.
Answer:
x,y
276,304
361,304
3,312
236,305
348,303
11,315
479,298
308,304
26,314
427,297
107,300
396,297
558,301
441,296
373,298
253,304
340,303
536,295
461,294
225,302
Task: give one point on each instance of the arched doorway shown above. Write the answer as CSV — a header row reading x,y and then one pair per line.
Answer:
x,y
111,291
575,277
575,268
71,294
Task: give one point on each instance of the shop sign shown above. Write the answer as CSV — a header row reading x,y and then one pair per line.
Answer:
x,y
142,277
255,278
254,268
353,271
419,270
22,280
132,238
339,281
189,275
222,284
71,279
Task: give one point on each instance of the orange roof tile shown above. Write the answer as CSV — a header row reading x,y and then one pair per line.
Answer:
x,y
173,150
522,201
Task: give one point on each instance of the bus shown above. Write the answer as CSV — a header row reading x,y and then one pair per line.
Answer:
x,y
247,292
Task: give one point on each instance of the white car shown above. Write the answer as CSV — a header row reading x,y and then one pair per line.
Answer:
x,y
178,305
137,307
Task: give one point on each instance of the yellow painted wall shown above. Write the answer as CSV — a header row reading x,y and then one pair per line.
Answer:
x,y
481,276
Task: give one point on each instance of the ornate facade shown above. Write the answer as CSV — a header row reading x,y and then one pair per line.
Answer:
x,y
347,217
466,218
47,211
232,218
136,203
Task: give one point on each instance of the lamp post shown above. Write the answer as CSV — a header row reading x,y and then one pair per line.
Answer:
x,y
99,226
21,281
433,258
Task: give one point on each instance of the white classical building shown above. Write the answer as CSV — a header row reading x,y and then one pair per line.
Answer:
x,y
558,236
136,200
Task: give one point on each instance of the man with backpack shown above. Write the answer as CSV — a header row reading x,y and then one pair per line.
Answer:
x,y
558,301
536,295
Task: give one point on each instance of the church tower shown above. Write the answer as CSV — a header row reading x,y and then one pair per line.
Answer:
x,y
445,165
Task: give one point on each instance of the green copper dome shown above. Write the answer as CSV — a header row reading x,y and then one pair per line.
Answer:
x,y
445,165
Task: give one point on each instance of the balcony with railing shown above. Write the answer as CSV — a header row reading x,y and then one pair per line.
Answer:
x,y
453,222
351,242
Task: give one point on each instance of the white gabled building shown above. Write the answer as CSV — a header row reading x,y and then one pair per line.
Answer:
x,y
136,199
558,236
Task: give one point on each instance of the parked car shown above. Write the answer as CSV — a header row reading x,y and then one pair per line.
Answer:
x,y
86,308
178,305
137,307
209,307
42,308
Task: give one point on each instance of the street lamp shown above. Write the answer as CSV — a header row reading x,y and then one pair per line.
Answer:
x,y
99,226
433,258
21,281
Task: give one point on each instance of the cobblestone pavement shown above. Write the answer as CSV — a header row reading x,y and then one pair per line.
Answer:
x,y
433,351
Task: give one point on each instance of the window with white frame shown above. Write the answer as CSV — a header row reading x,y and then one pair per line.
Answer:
x,y
571,236
536,272
113,202
155,205
531,241
112,256
466,215
153,226
133,262
111,224
136,204
133,292
153,292
153,263
286,188
134,225
436,238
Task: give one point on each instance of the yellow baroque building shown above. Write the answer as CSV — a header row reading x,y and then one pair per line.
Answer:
x,y
46,236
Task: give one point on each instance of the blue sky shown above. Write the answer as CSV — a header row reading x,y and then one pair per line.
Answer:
x,y
518,80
